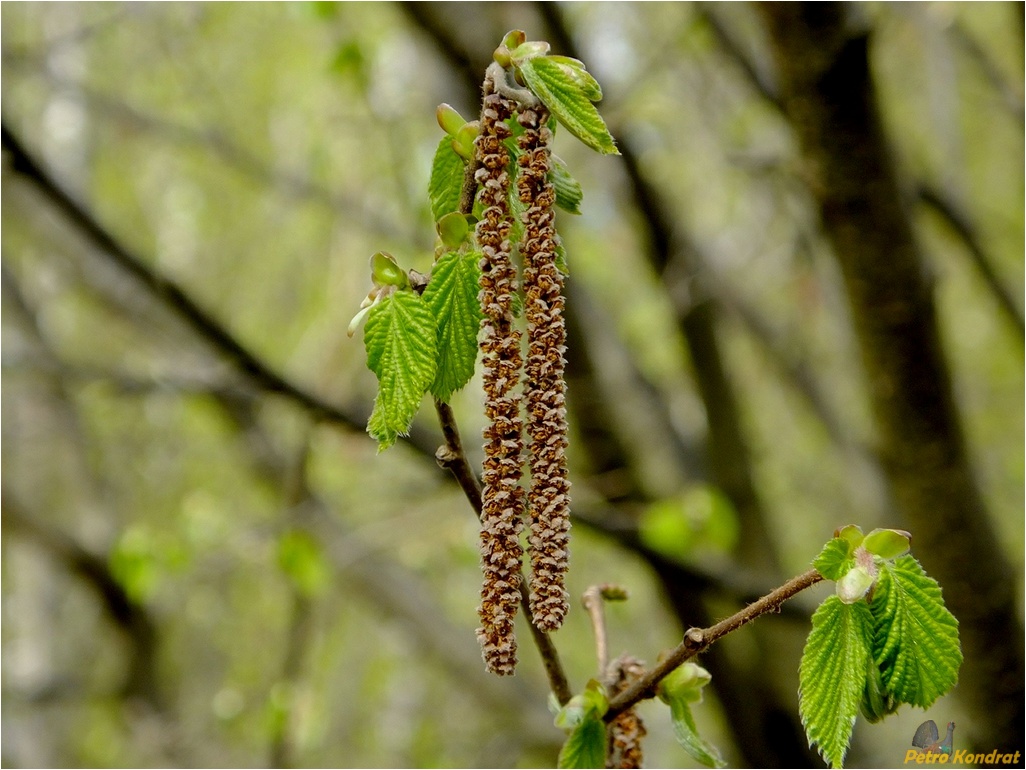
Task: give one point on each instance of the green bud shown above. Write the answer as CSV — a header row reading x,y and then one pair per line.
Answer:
x,y
463,140
852,533
528,50
613,593
888,543
685,683
514,38
385,271
448,119
453,229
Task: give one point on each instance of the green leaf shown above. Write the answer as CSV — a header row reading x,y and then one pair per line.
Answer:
x,y
561,264
835,559
568,102
568,189
876,701
832,675
452,229
915,637
686,733
679,689
401,344
577,72
585,746
452,296
446,180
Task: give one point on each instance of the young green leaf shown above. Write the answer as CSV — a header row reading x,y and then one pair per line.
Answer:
x,y
446,180
915,641
686,733
568,189
401,344
452,296
585,746
876,701
577,72
832,675
682,687
835,559
568,102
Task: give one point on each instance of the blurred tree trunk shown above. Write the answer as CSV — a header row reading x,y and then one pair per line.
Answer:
x,y
829,99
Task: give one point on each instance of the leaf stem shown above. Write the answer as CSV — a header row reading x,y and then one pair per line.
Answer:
x,y
698,640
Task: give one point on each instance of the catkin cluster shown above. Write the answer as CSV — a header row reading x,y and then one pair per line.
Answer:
x,y
502,517
545,386
503,499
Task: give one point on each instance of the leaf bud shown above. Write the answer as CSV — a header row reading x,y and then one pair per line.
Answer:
x,y
449,119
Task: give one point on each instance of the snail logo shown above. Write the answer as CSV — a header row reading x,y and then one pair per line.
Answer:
x,y
931,750
927,739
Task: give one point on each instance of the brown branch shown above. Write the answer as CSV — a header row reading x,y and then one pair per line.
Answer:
x,y
697,640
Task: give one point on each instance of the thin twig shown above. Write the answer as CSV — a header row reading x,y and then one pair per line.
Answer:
x,y
697,640
592,601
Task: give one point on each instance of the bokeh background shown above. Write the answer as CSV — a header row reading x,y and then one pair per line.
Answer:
x,y
205,560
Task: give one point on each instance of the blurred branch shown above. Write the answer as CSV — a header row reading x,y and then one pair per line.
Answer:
x,y
129,615
958,222
171,294
229,152
954,216
1011,95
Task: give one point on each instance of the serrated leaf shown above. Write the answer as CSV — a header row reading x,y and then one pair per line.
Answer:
x,y
585,746
832,675
835,559
576,70
401,345
446,180
568,102
452,296
686,733
568,190
915,640
876,701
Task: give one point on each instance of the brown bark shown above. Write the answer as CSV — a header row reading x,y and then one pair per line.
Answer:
x,y
828,96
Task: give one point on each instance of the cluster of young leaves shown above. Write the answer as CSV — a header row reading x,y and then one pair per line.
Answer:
x,y
428,343
883,639
582,718
419,343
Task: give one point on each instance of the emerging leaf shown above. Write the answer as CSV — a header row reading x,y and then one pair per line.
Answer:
x,y
452,297
452,229
684,683
568,102
446,180
876,701
888,543
686,733
585,746
835,559
852,533
568,189
915,641
832,675
449,120
401,345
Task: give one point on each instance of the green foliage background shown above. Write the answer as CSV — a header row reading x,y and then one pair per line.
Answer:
x,y
258,154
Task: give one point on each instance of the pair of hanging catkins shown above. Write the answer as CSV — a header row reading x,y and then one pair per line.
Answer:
x,y
504,501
